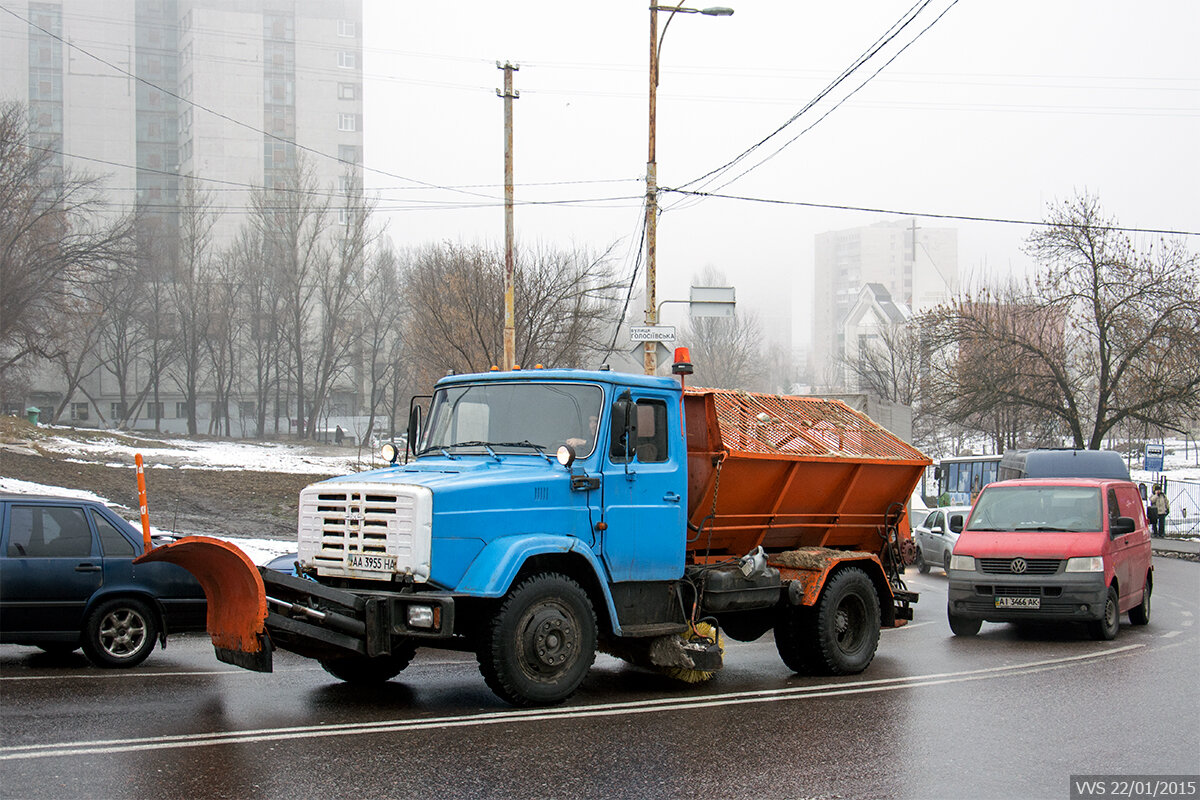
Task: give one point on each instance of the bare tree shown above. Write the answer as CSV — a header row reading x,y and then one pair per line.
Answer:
x,y
564,303
190,296
380,333
340,286
262,304
51,238
1104,331
293,220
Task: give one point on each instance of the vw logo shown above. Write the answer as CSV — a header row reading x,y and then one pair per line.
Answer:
x,y
1018,566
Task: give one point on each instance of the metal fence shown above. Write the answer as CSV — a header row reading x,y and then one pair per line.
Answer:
x,y
1184,496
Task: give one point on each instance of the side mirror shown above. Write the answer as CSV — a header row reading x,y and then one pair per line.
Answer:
x,y
956,523
624,423
414,427
1121,526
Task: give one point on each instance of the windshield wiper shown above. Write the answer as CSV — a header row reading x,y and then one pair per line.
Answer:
x,y
1044,528
526,443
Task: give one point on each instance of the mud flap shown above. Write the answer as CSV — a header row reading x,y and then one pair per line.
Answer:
x,y
237,600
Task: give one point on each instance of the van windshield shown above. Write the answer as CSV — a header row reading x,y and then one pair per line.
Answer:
x,y
1037,508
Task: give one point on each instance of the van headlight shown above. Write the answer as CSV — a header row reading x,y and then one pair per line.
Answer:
x,y
1085,564
965,563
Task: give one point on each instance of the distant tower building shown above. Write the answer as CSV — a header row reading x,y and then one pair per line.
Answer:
x,y
917,266
221,90
151,93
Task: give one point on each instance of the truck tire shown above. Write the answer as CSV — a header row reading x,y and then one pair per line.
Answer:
x,y
796,639
119,633
963,626
1105,629
364,670
846,623
541,642
1140,614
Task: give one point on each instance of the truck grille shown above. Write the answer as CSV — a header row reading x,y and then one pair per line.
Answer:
x,y
341,521
1033,566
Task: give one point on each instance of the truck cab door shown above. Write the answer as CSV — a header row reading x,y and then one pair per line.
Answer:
x,y
644,492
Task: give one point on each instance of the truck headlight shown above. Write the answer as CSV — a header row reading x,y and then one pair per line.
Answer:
x,y
420,616
965,563
1085,564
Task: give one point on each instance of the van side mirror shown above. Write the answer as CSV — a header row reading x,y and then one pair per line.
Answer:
x,y
1121,526
956,523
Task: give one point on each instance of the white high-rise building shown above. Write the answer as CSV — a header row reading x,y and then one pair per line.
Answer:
x,y
917,265
147,94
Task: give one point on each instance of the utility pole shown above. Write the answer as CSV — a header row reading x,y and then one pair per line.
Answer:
x,y
510,337
650,349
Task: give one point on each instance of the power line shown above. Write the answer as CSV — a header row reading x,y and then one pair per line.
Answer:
x,y
924,214
891,33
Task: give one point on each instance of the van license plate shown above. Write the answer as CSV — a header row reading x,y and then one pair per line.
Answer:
x,y
371,563
1018,602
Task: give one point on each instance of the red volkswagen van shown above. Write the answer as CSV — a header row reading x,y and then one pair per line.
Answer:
x,y
1061,549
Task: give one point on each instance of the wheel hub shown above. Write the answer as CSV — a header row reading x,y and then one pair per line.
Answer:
x,y
552,641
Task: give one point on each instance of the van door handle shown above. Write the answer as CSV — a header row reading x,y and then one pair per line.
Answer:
x,y
85,567
671,497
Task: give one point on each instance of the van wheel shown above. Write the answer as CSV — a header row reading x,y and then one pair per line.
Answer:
x,y
539,646
963,626
363,670
1105,629
922,564
119,633
847,623
1140,615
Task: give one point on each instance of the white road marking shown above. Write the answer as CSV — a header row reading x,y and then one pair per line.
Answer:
x,y
109,746
1170,634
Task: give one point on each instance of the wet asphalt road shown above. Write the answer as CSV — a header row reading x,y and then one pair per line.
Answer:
x,y
1008,714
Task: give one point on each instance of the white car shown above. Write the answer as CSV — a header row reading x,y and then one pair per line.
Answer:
x,y
936,534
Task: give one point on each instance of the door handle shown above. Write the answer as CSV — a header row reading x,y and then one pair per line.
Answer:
x,y
671,497
85,567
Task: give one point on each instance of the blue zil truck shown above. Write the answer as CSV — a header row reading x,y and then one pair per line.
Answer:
x,y
548,514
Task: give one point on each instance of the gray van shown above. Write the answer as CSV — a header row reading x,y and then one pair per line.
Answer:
x,y
1062,463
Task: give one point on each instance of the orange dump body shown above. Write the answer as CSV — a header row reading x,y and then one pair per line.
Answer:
x,y
789,473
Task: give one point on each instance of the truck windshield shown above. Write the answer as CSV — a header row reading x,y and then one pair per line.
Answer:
x,y
1037,508
514,417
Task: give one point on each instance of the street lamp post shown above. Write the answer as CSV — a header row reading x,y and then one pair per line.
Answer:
x,y
650,354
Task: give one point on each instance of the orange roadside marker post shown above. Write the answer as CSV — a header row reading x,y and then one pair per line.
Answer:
x,y
145,510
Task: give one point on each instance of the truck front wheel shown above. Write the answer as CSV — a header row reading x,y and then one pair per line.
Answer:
x,y
541,643
846,622
366,670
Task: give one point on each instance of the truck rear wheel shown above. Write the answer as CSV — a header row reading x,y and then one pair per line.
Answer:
x,y
367,670
847,622
541,643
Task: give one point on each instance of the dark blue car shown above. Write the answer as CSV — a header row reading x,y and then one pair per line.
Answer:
x,y
67,580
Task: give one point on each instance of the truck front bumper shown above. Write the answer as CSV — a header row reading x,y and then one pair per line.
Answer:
x,y
1015,598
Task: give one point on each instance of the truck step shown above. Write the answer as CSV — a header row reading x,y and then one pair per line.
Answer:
x,y
653,629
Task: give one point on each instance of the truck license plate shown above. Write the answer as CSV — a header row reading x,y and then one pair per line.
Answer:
x,y
1018,602
370,562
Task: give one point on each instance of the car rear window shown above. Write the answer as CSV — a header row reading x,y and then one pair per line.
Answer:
x,y
112,542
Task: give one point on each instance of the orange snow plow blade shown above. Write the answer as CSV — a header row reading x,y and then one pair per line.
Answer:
x,y
237,600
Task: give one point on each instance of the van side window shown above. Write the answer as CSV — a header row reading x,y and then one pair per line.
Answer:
x,y
48,532
1114,508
